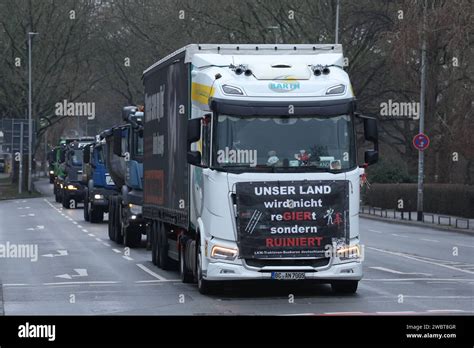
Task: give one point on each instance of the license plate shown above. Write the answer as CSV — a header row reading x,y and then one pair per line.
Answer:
x,y
108,180
288,275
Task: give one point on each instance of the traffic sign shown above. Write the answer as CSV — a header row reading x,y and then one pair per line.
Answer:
x,y
421,142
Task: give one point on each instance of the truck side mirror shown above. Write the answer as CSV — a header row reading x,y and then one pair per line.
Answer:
x,y
371,134
370,130
117,134
86,157
194,158
371,157
194,134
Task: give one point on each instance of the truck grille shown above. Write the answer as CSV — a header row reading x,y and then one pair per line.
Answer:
x,y
287,262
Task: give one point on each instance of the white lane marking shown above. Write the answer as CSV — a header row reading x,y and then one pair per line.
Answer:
x,y
464,245
400,312
99,240
399,235
469,280
341,313
148,281
430,240
91,234
30,229
128,258
374,232
74,222
419,260
85,282
398,272
85,231
79,226
445,310
31,214
150,272
59,253
117,251
106,244
13,284
40,227
81,272
443,297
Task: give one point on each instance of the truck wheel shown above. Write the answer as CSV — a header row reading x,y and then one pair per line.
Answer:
x,y
132,236
345,286
154,243
164,260
184,272
148,237
110,225
96,214
86,206
118,221
204,286
65,200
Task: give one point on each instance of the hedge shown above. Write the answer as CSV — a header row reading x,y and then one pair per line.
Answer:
x,y
449,199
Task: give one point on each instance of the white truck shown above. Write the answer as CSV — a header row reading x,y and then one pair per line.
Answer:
x,y
250,164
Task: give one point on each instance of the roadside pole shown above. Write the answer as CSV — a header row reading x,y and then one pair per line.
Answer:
x,y
421,159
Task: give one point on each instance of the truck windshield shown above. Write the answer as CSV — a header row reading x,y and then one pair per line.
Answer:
x,y
322,143
76,158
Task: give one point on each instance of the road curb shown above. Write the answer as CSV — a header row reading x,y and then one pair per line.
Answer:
x,y
418,224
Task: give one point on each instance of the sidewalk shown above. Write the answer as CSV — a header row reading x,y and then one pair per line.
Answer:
x,y
447,222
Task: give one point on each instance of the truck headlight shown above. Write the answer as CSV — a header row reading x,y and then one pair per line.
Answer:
x,y
98,196
349,252
135,209
71,187
334,90
223,253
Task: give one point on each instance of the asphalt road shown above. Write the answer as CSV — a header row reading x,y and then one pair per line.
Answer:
x,y
407,270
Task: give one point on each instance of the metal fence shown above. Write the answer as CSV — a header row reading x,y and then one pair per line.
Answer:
x,y
435,219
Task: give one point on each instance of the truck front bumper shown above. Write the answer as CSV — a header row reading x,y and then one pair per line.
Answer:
x,y
221,271
100,197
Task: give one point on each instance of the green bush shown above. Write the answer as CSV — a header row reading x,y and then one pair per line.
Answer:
x,y
386,172
449,199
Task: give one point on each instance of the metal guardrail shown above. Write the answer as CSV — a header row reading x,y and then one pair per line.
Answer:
x,y
453,221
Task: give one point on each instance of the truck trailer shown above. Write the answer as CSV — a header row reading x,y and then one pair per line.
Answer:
x,y
250,164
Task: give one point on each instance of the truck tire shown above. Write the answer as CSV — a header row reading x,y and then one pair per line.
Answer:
x,y
132,236
118,221
205,287
186,275
148,237
164,260
86,206
96,214
345,286
110,225
65,200
154,243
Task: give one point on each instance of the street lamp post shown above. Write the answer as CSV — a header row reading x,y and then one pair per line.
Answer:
x,y
30,125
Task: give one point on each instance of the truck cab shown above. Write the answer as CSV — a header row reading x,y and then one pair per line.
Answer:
x,y
72,191
100,185
125,162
